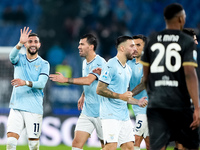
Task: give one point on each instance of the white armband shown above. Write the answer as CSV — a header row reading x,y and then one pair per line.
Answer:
x,y
20,44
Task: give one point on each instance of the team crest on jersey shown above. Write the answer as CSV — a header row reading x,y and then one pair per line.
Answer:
x,y
36,67
105,75
139,68
195,55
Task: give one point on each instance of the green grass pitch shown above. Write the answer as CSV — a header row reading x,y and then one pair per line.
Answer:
x,y
60,147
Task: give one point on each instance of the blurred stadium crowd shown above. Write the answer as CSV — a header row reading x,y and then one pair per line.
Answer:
x,y
62,22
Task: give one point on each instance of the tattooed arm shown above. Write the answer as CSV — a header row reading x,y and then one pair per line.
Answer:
x,y
139,88
104,91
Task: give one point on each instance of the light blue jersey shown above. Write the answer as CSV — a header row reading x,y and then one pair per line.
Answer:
x,y
137,74
92,100
117,77
23,97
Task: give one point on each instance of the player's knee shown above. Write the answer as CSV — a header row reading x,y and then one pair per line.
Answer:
x,y
128,146
34,145
75,148
74,143
77,143
11,143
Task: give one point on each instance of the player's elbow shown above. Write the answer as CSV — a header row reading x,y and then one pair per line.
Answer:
x,y
42,85
12,59
38,85
190,72
89,82
98,91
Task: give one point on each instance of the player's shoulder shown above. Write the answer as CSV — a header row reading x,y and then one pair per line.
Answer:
x,y
153,35
169,35
100,59
130,62
175,33
165,32
186,37
43,61
22,55
112,61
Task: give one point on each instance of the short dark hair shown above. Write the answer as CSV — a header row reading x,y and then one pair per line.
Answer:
x,y
140,36
122,39
33,34
91,39
189,31
171,10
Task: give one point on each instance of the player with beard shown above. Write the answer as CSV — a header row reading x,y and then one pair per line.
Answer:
x,y
26,104
138,89
112,86
89,101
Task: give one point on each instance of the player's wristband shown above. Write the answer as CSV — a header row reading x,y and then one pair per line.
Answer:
x,y
27,83
20,44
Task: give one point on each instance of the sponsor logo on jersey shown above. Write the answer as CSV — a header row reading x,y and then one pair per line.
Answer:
x,y
105,75
166,82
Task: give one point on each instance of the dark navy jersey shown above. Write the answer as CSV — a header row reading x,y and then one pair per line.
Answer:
x,y
166,53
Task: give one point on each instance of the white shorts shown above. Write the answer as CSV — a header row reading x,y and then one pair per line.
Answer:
x,y
141,125
117,131
19,120
88,124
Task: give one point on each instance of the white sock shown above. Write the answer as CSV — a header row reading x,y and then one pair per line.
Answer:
x,y
11,143
75,148
136,148
33,145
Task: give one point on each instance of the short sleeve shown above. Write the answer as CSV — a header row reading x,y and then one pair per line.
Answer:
x,y
94,67
107,73
190,54
45,68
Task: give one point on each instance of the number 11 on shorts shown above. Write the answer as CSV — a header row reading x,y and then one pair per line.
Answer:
x,y
36,127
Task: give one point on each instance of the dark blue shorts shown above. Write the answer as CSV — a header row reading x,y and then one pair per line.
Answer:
x,y
167,125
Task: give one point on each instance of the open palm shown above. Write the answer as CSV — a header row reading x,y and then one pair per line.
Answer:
x,y
24,35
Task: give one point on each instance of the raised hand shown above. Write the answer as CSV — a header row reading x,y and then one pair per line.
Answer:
x,y
58,77
24,35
